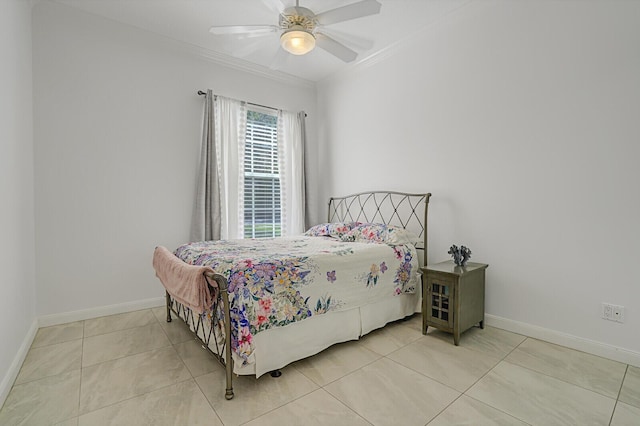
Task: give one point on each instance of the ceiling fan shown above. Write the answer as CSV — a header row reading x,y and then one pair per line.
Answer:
x,y
301,28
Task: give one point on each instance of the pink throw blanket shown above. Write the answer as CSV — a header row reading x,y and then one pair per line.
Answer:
x,y
185,283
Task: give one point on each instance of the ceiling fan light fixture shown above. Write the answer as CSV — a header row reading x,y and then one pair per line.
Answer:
x,y
297,40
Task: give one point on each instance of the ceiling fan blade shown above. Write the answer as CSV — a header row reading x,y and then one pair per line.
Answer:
x,y
275,6
350,11
243,29
253,34
337,49
361,44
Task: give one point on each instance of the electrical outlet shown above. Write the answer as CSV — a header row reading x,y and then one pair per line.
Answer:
x,y
613,312
618,313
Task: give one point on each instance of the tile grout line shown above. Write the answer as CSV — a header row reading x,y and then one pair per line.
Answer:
x,y
424,375
134,353
280,406
128,355
208,402
35,345
136,396
569,383
480,378
346,406
615,405
46,376
125,328
322,387
564,381
503,359
81,368
430,378
497,409
445,408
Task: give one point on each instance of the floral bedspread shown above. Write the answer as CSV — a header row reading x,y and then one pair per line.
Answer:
x,y
277,281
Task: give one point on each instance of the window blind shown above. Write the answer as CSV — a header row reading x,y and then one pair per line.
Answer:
x,y
262,205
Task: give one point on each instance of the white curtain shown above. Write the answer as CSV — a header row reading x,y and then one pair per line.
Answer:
x,y
219,202
219,205
231,119
291,142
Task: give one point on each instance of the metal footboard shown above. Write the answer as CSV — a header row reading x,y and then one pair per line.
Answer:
x,y
196,324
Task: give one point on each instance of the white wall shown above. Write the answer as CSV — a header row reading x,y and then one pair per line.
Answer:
x,y
518,116
17,304
117,127
522,119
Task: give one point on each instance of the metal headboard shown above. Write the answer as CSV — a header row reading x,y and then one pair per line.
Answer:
x,y
402,209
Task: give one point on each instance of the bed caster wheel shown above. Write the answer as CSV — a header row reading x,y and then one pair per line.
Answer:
x,y
276,373
228,394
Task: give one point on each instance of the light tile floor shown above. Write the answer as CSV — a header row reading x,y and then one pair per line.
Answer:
x,y
137,369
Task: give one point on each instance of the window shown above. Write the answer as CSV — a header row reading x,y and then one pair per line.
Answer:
x,y
262,209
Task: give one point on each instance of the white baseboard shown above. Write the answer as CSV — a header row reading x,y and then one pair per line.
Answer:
x,y
615,353
14,368
100,311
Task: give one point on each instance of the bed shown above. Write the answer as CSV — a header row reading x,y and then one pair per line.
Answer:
x,y
259,305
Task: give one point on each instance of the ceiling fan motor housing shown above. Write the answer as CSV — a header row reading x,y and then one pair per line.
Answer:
x,y
297,16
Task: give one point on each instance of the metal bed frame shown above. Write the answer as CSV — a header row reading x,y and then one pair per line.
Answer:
x,y
392,208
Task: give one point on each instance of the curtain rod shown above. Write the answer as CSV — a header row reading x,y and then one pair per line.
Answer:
x,y
201,93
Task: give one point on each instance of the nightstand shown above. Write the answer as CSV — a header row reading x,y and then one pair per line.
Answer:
x,y
453,297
